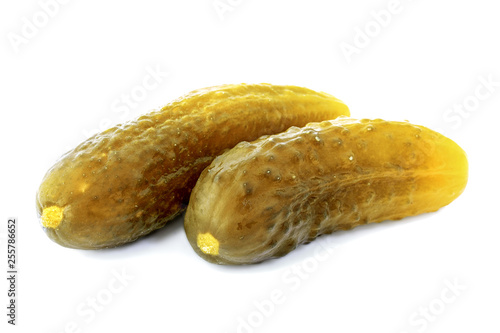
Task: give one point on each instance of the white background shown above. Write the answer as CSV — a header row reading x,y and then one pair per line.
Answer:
x,y
63,81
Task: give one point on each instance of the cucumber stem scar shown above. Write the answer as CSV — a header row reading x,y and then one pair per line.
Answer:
x,y
52,216
208,244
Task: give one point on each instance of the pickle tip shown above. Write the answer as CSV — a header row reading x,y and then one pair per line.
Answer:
x,y
208,244
52,216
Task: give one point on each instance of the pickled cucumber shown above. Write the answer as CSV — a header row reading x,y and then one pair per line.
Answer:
x,y
261,199
133,178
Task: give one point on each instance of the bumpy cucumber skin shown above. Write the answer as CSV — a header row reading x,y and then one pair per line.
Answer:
x,y
133,178
261,199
